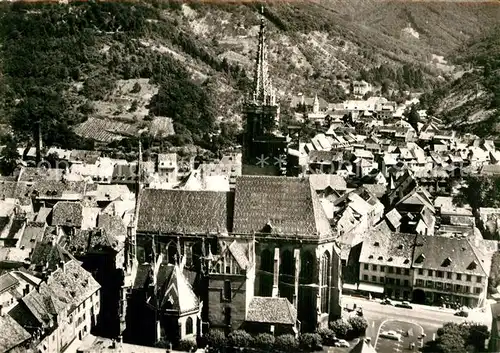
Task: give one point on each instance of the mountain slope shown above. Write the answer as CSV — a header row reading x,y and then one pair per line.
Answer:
x,y
58,61
471,102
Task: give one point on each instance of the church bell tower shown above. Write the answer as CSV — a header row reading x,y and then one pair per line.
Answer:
x,y
261,109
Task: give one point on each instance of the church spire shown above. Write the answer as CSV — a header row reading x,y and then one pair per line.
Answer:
x,y
262,89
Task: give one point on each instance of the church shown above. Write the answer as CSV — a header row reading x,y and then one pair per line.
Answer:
x,y
262,112
261,257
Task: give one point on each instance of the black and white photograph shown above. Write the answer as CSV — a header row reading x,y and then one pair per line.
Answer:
x,y
240,176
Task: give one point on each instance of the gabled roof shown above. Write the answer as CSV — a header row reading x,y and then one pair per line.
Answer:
x,y
67,213
418,196
113,226
174,290
48,255
7,281
387,248
288,206
238,252
182,211
272,311
12,335
460,252
394,218
72,283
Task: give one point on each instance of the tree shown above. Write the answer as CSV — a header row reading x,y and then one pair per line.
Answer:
x,y
136,88
340,327
385,87
264,341
9,156
310,342
240,338
413,117
286,343
494,279
457,338
133,106
480,192
327,336
358,324
187,345
216,339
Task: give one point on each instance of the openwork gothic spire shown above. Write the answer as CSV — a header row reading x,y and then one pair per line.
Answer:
x,y
263,93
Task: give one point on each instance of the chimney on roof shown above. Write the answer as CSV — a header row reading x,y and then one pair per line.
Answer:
x,y
60,265
26,290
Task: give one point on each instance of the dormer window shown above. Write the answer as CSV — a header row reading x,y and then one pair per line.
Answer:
x,y
446,262
370,257
376,243
380,258
406,261
472,265
420,258
400,246
389,259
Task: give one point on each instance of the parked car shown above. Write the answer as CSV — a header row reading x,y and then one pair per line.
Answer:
x,y
405,305
386,301
392,335
462,313
342,343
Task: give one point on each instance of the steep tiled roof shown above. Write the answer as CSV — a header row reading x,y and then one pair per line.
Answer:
x,y
73,283
239,255
55,189
112,225
89,241
173,211
272,311
386,248
67,213
46,254
7,281
326,157
7,189
142,275
176,289
376,189
461,253
279,205
12,334
38,174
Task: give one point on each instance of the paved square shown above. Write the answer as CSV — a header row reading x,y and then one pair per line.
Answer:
x,y
409,332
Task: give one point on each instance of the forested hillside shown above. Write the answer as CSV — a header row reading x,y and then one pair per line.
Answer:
x,y
60,61
472,101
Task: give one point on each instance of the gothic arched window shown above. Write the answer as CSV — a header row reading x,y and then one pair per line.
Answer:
x,y
325,281
171,252
189,326
266,273
306,268
287,272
